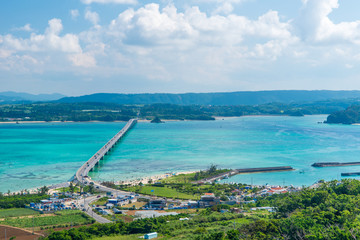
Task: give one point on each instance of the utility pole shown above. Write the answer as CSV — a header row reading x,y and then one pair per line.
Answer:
x,y
5,233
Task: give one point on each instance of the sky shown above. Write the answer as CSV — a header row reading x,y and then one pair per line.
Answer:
x,y
78,47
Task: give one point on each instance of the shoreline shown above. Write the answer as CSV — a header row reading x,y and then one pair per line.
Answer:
x,y
217,118
144,180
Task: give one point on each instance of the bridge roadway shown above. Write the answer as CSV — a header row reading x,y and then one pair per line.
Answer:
x,y
82,173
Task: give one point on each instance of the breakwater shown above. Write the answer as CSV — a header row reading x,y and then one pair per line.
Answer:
x,y
245,170
350,174
334,164
265,169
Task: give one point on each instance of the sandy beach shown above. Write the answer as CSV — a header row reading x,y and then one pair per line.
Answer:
x,y
153,179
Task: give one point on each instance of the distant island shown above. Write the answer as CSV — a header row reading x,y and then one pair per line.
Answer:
x,y
351,115
216,98
108,112
156,120
341,105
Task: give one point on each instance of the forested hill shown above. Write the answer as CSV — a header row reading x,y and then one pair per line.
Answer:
x,y
229,98
349,116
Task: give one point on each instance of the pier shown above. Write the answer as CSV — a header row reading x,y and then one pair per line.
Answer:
x,y
245,170
334,164
350,174
82,173
265,169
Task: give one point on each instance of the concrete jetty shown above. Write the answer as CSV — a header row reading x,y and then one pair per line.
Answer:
x,y
350,174
334,164
82,173
265,169
244,170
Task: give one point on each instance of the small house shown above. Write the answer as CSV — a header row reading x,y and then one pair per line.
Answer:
x,y
151,235
157,204
208,200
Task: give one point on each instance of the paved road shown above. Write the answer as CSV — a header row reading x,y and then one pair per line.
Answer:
x,y
91,213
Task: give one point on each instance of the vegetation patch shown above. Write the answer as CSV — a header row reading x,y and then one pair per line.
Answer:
x,y
121,237
70,217
162,192
19,201
101,201
17,212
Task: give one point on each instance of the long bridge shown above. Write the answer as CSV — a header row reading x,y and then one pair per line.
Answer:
x,y
82,173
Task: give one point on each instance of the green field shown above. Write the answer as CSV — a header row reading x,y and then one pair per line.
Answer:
x,y
67,189
181,178
17,212
163,192
101,201
74,217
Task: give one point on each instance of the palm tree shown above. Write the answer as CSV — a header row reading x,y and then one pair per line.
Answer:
x,y
44,190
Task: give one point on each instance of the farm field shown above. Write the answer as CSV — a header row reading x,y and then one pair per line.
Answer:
x,y
74,217
17,212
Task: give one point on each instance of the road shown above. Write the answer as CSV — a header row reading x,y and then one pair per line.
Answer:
x,y
91,213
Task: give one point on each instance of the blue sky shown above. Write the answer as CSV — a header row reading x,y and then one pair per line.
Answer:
x,y
80,47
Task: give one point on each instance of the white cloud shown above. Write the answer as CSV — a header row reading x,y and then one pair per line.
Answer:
x,y
93,17
315,24
49,41
155,26
74,13
83,60
192,45
109,1
225,6
26,28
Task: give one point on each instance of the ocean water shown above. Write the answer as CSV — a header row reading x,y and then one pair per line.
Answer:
x,y
37,154
33,155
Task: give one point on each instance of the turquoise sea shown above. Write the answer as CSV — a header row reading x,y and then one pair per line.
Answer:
x,y
39,154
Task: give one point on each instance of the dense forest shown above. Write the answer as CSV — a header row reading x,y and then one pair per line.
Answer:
x,y
121,112
350,115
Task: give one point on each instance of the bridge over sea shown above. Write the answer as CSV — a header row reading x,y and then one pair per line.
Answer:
x,y
82,173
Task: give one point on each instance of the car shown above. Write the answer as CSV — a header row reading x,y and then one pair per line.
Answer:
x,y
98,196
97,187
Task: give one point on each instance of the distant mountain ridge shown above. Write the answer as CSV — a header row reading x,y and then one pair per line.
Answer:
x,y
21,97
220,98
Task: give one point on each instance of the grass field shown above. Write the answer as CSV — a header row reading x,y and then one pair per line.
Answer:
x,y
101,201
67,189
164,192
17,212
67,217
181,178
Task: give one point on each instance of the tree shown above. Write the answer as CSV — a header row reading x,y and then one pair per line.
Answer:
x,y
212,168
91,188
44,190
72,187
